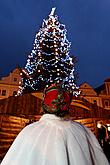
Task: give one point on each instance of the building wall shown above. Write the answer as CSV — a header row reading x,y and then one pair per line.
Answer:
x,y
88,93
107,86
105,94
9,85
101,99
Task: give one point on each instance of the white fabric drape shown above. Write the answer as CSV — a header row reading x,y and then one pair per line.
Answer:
x,y
53,141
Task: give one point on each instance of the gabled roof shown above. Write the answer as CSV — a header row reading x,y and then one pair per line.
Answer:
x,y
7,79
107,80
87,89
100,89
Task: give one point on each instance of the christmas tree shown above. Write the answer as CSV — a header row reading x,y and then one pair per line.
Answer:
x,y
49,61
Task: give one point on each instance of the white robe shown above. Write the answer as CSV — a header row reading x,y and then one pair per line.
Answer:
x,y
53,141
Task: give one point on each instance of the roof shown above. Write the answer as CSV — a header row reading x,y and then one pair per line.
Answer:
x,y
107,80
100,88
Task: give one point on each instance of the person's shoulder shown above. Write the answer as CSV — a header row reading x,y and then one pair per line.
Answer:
x,y
27,129
77,124
74,125
69,124
85,131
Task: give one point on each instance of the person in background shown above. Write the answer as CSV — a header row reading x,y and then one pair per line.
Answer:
x,y
54,139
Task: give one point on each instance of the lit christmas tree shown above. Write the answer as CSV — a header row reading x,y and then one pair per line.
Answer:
x,y
49,61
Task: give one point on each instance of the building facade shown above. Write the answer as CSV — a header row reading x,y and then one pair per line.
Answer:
x,y
88,93
99,96
103,92
9,85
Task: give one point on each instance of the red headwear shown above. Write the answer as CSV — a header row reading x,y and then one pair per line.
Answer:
x,y
56,100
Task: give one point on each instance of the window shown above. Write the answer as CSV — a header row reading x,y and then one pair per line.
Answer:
x,y
15,79
14,93
106,103
95,102
3,92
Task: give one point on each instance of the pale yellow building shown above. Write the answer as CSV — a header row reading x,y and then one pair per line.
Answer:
x,y
99,96
9,85
103,92
88,93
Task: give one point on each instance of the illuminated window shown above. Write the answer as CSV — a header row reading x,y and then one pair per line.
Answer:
x,y
95,102
3,92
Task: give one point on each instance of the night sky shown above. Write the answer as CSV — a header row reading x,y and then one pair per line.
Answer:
x,y
88,29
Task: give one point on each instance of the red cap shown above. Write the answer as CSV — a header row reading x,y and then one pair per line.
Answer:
x,y
56,99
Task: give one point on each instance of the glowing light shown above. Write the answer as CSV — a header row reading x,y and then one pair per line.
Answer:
x,y
109,128
99,125
56,53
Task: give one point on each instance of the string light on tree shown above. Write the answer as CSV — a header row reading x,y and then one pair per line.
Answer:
x,y
49,61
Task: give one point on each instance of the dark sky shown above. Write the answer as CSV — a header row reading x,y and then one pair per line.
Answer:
x,y
88,29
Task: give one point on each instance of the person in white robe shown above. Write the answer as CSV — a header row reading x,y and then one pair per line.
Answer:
x,y
54,140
